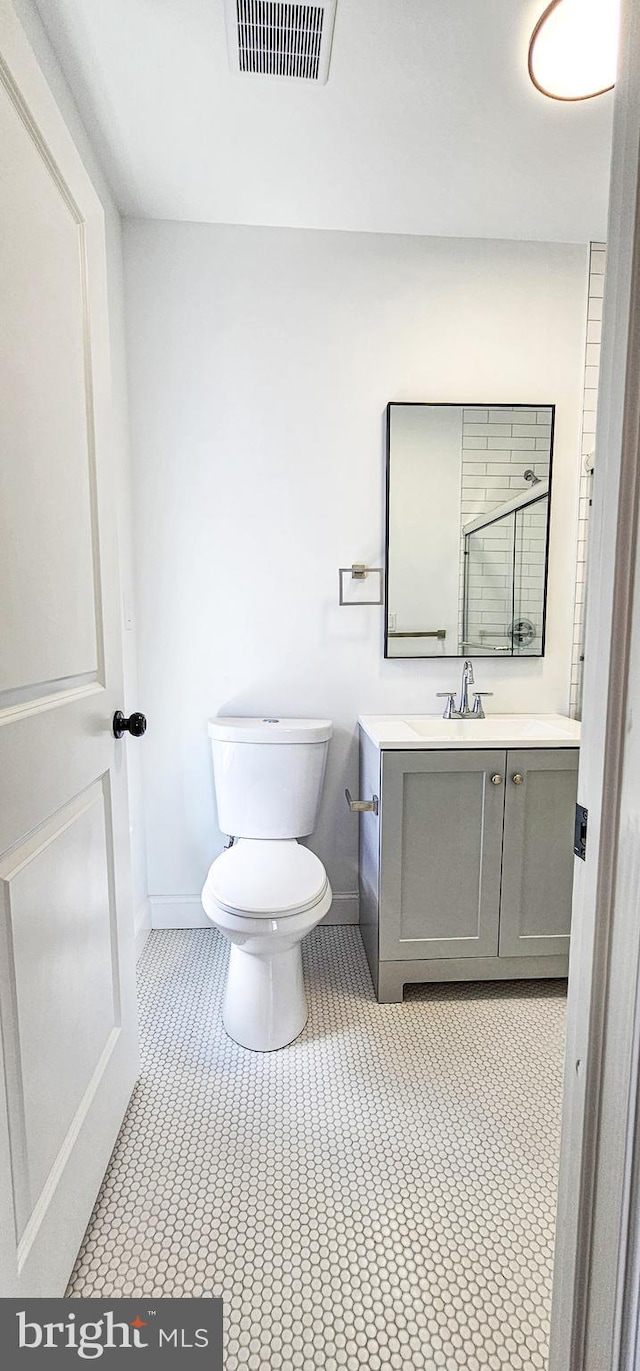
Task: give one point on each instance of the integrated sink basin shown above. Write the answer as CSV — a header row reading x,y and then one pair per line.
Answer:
x,y
499,727
496,730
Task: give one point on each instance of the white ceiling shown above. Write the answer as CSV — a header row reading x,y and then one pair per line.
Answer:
x,y
428,123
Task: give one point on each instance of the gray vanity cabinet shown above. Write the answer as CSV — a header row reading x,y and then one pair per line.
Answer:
x,y
466,872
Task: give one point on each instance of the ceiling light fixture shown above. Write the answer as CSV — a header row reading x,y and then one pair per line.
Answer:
x,y
574,48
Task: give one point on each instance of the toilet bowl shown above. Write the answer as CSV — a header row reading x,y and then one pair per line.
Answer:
x,y
265,896
266,891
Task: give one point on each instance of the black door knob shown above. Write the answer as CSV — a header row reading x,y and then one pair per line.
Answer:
x,y
136,724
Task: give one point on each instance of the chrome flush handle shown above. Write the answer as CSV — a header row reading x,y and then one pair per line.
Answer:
x,y
361,806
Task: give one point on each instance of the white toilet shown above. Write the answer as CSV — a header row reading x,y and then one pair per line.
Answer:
x,y
266,892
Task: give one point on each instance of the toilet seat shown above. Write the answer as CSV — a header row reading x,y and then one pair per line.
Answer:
x,y
262,879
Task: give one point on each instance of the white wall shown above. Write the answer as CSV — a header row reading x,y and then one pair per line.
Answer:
x,y
261,362
424,527
35,32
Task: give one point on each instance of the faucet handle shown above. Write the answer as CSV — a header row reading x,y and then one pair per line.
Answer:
x,y
478,697
449,696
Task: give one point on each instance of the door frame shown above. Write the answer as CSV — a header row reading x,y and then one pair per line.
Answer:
x,y
595,1314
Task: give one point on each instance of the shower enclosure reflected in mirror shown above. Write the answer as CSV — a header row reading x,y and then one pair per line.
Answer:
x,y
468,503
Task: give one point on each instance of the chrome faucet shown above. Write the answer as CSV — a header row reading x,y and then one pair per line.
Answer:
x,y
463,711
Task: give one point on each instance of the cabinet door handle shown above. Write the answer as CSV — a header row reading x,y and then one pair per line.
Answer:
x,y
496,779
517,778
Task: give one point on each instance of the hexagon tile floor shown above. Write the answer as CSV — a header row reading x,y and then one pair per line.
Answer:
x,y
379,1194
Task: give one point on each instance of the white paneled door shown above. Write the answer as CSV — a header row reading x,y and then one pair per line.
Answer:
x,y
67,1006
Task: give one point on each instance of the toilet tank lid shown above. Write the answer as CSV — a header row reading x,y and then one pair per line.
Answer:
x,y
270,730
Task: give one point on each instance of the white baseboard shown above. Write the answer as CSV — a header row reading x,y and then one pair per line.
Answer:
x,y
345,909
142,926
185,911
177,911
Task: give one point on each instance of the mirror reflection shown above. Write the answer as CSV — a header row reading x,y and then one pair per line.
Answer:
x,y
467,529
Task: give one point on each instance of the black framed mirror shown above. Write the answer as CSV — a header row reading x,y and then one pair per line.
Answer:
x,y
467,529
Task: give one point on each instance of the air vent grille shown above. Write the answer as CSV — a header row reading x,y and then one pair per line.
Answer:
x,y
281,39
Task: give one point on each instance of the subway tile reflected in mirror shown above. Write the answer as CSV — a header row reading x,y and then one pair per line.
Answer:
x,y
468,503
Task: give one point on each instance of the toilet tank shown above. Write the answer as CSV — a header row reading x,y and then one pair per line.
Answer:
x,y
268,775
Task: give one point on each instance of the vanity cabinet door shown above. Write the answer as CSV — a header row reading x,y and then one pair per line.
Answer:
x,y
537,873
441,850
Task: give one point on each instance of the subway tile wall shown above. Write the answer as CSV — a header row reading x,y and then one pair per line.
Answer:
x,y
498,446
597,262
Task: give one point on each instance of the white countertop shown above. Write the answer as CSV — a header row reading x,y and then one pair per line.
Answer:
x,y
428,731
